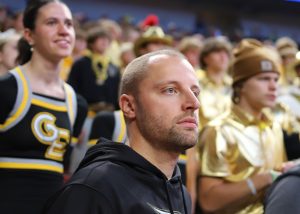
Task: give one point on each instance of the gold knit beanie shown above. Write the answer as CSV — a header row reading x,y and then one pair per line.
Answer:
x,y
250,58
286,46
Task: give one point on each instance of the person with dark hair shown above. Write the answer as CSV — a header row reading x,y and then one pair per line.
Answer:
x,y
40,114
242,152
159,102
25,56
94,76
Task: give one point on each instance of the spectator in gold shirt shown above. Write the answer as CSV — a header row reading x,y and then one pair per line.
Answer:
x,y
242,152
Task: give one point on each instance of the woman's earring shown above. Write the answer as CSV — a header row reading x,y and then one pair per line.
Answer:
x,y
31,47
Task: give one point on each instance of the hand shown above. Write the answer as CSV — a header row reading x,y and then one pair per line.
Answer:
x,y
287,165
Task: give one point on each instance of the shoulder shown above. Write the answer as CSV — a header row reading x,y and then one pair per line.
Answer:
x,y
220,130
104,117
81,103
8,81
219,123
82,108
82,64
8,95
83,59
8,85
99,175
113,71
111,65
79,198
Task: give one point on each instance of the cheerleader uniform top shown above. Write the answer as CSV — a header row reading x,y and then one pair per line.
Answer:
x,y
36,130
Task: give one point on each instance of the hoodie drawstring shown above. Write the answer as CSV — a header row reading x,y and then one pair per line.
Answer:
x,y
168,196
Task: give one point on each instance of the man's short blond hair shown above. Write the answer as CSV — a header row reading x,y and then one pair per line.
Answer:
x,y
137,70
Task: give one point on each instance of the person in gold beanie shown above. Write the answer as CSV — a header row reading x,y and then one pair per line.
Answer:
x,y
287,49
242,152
153,39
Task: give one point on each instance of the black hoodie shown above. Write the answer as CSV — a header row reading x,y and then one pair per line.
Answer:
x,y
114,179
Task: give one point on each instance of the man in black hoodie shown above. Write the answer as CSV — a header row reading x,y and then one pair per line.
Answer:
x,y
158,97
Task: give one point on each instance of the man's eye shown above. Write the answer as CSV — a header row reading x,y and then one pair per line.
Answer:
x,y
51,22
170,91
196,93
69,23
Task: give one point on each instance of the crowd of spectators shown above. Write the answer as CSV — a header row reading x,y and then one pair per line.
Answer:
x,y
104,47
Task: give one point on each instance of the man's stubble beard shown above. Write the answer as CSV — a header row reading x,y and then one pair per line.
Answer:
x,y
173,139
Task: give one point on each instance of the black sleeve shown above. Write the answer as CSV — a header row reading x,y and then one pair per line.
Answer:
x,y
8,95
78,199
82,108
112,86
103,126
284,197
74,76
292,145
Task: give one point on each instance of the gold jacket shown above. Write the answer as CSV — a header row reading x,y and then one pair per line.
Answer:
x,y
235,147
214,99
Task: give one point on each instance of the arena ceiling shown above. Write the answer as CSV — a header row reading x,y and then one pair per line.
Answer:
x,y
283,7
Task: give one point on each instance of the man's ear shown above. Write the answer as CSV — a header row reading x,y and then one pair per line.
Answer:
x,y
127,105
